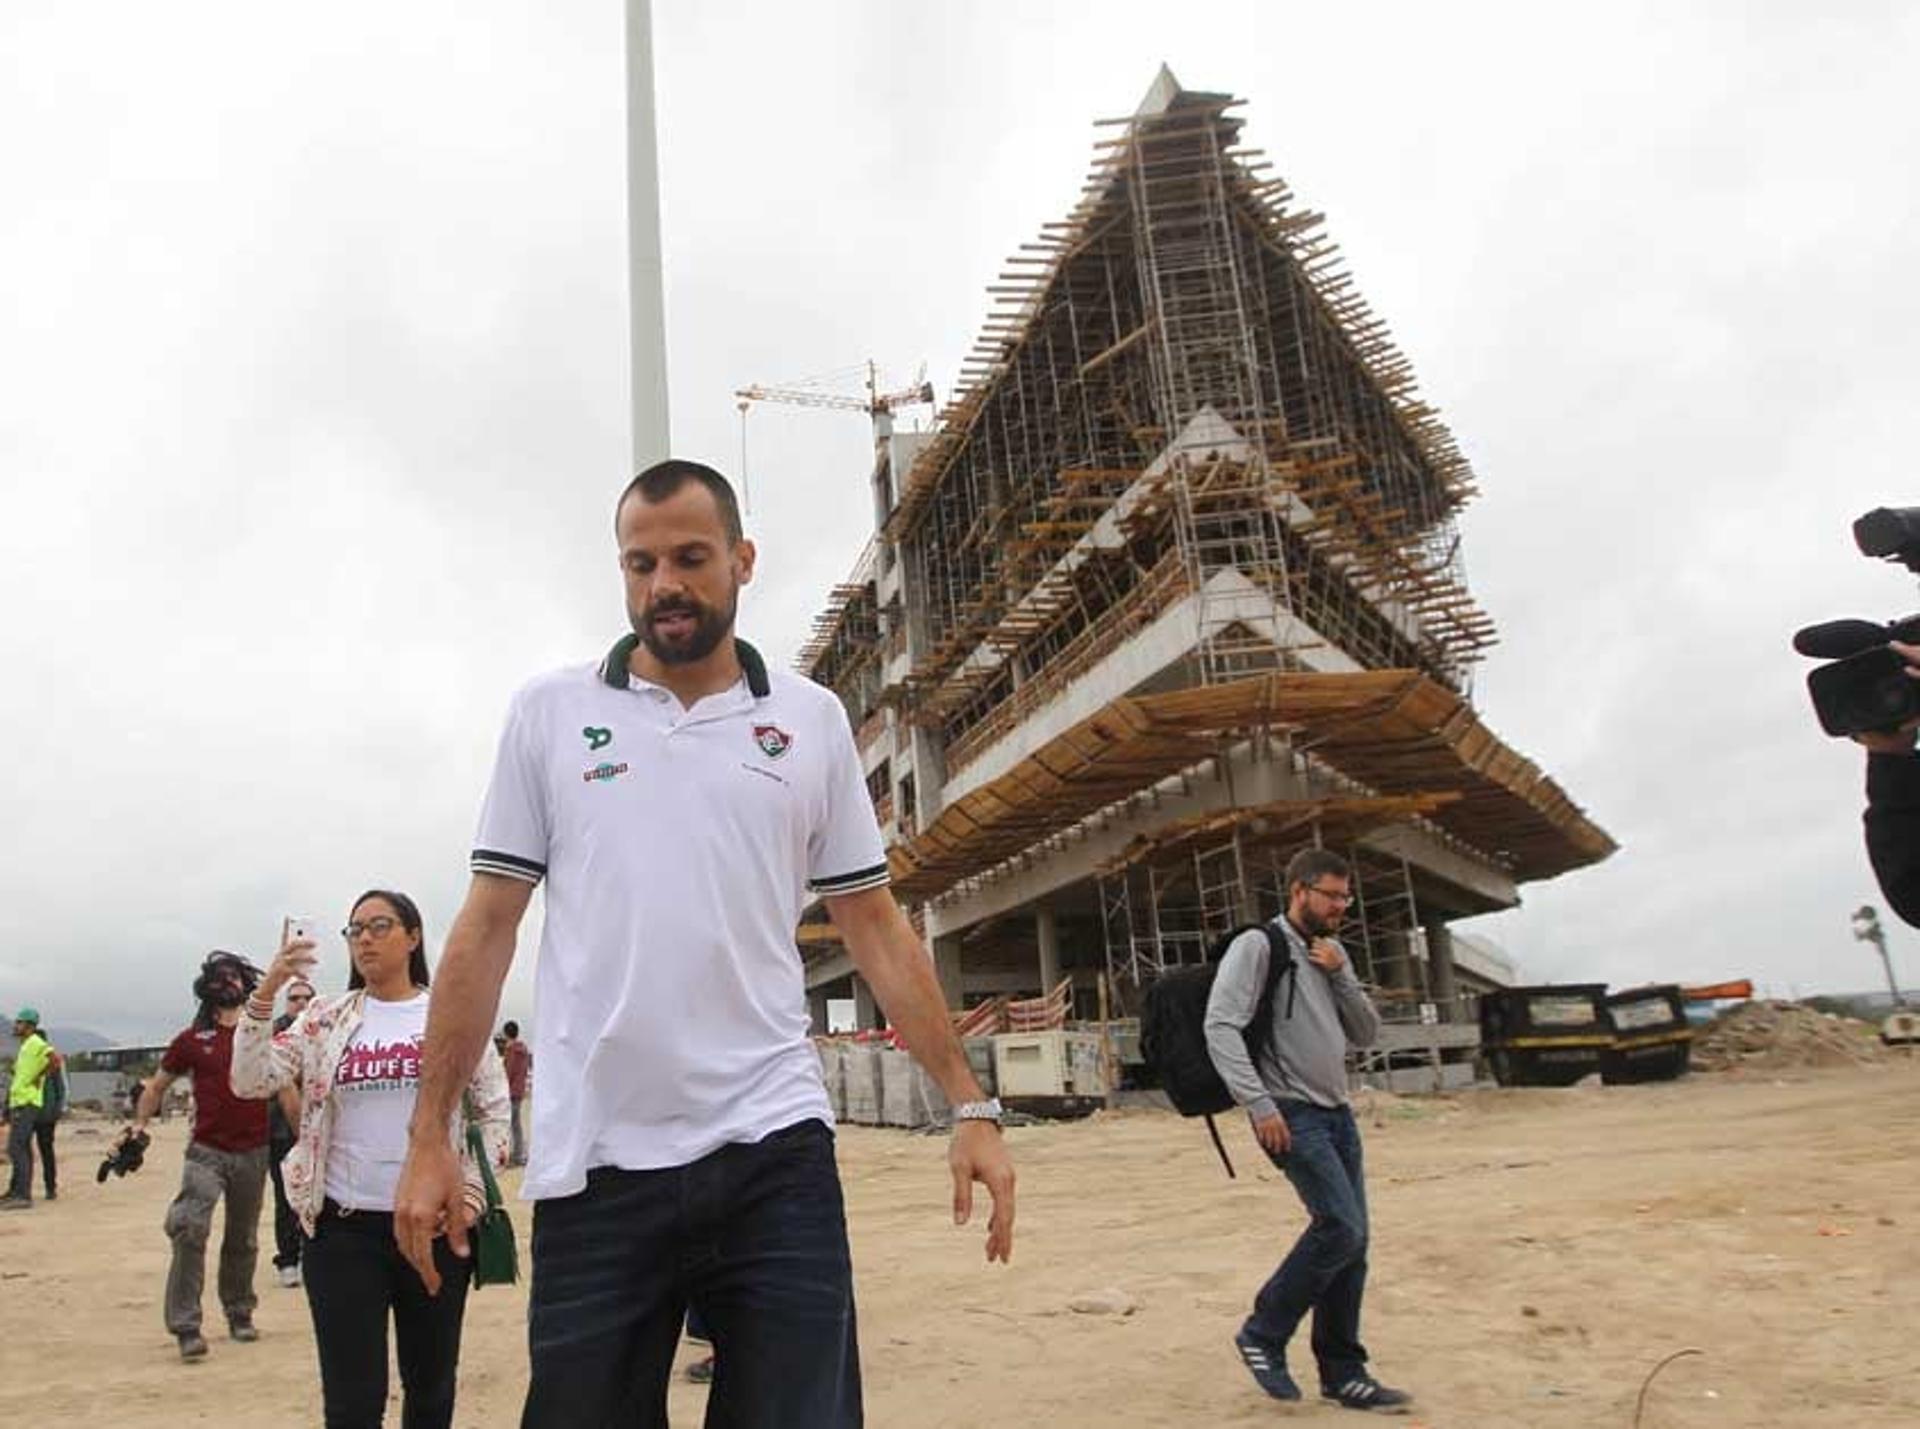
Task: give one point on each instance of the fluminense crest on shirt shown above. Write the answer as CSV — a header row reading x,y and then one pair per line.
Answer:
x,y
597,736
773,740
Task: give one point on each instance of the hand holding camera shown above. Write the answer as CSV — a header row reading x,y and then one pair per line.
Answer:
x,y
1870,687
1899,740
127,1155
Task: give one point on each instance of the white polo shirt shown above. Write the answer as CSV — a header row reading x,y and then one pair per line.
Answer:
x,y
678,848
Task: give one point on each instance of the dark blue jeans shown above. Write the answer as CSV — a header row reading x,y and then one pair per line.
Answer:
x,y
752,1236
1326,1271
23,1125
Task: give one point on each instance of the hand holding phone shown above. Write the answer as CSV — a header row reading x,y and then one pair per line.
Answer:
x,y
299,950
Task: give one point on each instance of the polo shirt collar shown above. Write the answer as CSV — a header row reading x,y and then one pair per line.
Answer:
x,y
613,670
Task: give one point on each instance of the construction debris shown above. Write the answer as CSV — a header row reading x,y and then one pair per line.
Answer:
x,y
1782,1036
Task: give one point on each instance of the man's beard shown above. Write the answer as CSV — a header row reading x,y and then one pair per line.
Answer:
x,y
228,992
1315,926
710,627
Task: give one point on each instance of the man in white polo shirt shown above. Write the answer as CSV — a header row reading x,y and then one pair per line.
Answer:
x,y
681,802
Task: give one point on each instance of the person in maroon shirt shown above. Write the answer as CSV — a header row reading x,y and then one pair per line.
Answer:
x,y
519,1062
227,1157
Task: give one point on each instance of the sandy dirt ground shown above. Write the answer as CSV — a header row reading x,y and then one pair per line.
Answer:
x,y
1536,1254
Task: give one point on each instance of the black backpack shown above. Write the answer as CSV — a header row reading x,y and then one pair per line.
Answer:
x,y
53,1100
1173,1033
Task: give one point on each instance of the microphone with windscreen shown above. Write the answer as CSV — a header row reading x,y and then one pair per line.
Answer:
x,y
1837,639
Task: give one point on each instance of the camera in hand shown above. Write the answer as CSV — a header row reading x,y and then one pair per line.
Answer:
x,y
1865,685
127,1156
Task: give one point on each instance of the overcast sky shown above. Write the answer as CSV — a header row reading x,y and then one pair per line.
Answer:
x,y
313,404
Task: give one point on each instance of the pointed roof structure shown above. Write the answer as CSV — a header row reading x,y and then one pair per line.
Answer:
x,y
1181,410
1160,94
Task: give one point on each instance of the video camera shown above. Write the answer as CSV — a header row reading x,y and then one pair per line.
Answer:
x,y
1865,685
129,1154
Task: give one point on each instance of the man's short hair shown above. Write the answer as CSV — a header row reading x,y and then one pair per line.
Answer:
x,y
663,478
1311,864
510,1029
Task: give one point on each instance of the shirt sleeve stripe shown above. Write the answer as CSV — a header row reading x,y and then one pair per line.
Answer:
x,y
855,882
486,860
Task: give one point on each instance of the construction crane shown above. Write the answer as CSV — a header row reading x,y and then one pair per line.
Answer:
x,y
815,392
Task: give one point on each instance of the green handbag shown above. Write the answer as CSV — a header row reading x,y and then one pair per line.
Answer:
x,y
496,1256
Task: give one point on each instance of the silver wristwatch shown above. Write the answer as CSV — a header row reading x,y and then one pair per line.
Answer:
x,y
988,1110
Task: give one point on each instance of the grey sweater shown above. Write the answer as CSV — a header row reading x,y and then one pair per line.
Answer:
x,y
1306,1057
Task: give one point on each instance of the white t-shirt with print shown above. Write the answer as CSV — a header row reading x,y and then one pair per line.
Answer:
x,y
678,848
374,1088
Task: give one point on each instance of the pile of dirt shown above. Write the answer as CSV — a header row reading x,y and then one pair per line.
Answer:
x,y
1769,1036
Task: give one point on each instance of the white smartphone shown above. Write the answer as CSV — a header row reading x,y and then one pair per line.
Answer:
x,y
296,926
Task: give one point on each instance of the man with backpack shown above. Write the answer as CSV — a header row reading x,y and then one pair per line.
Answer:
x,y
1293,1084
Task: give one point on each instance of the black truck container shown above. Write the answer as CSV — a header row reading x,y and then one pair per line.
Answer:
x,y
1547,1036
1652,1039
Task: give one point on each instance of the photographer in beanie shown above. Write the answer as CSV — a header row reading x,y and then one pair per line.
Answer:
x,y
227,1157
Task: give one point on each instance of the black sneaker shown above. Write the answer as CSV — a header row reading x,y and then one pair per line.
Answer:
x,y
192,1347
242,1330
1267,1365
1363,1391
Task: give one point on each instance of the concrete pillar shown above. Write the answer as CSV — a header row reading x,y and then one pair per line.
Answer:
x,y
929,773
1440,978
1395,968
866,1011
1048,929
817,1011
946,967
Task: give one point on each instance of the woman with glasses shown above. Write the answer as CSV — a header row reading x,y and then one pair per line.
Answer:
x,y
356,1062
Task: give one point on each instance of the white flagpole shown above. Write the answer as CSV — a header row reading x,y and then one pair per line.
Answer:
x,y
645,297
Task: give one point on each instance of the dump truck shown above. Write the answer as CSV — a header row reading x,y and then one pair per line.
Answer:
x,y
1546,1036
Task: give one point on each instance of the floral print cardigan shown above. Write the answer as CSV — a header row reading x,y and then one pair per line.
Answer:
x,y
306,1055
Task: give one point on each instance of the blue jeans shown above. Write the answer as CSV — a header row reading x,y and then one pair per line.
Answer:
x,y
753,1236
22,1126
1326,1271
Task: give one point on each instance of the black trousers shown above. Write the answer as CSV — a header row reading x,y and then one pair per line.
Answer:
x,y
288,1238
355,1278
43,1138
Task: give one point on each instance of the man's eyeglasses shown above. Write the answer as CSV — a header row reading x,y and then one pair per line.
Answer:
x,y
379,927
1343,899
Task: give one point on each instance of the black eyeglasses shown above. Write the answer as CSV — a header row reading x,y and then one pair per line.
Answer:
x,y
1343,899
379,927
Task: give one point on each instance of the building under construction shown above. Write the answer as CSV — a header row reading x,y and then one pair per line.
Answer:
x,y
1172,590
